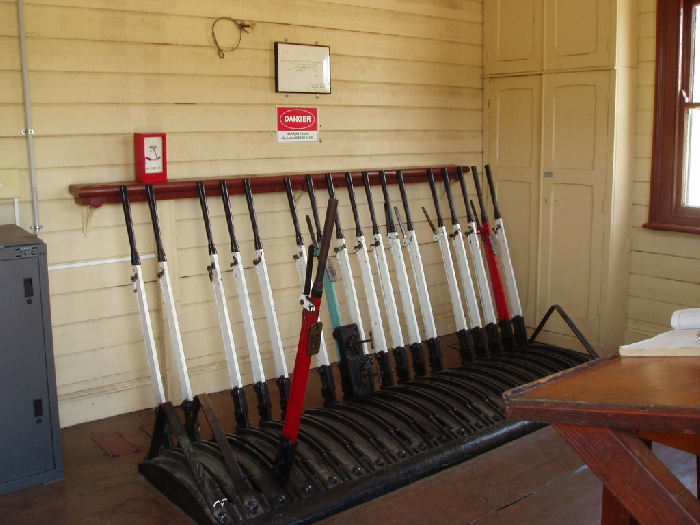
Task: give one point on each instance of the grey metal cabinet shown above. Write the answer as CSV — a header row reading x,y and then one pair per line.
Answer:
x,y
30,439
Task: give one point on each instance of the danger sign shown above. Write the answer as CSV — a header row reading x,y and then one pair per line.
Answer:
x,y
297,124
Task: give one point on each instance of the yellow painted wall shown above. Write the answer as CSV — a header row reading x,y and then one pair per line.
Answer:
x,y
665,274
406,91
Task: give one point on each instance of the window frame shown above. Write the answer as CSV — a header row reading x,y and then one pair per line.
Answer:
x,y
673,61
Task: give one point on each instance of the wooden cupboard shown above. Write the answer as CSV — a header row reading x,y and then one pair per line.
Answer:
x,y
557,132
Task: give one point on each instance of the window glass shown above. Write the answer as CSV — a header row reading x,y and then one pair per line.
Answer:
x,y
695,79
692,155
692,184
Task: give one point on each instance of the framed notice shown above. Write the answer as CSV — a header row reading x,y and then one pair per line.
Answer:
x,y
301,68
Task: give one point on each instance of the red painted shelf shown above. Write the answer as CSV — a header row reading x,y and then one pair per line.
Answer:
x,y
95,195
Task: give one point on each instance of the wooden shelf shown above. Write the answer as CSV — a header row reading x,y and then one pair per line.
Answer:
x,y
95,195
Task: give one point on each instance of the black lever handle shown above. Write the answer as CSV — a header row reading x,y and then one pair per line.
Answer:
x,y
450,200
353,204
404,199
331,193
370,203
229,216
135,259
293,210
314,206
492,187
480,196
465,194
156,224
251,211
436,201
390,224
331,210
205,215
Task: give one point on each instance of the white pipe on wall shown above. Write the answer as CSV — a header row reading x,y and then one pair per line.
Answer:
x,y
99,262
28,131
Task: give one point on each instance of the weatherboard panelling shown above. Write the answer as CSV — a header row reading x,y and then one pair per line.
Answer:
x,y
328,16
147,89
112,331
406,92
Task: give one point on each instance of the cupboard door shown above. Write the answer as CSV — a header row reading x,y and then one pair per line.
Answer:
x,y
512,36
513,145
575,144
26,443
578,34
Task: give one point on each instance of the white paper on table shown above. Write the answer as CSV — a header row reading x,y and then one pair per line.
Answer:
x,y
674,343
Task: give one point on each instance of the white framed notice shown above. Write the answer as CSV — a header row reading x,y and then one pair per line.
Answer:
x,y
301,68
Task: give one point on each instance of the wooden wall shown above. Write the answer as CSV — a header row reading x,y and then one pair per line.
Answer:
x,y
665,274
406,91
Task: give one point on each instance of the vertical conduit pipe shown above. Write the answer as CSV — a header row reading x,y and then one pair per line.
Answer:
x,y
28,131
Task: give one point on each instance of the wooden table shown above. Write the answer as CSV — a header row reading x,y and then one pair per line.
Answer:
x,y
605,409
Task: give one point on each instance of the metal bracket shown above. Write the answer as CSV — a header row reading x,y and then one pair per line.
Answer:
x,y
569,322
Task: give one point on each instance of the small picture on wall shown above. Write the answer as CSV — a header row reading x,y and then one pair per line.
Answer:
x,y
301,68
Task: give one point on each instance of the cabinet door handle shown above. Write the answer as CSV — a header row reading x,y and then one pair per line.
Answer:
x,y
38,408
28,287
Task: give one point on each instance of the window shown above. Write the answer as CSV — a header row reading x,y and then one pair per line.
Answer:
x,y
675,179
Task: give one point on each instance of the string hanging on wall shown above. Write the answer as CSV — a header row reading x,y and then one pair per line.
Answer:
x,y
240,28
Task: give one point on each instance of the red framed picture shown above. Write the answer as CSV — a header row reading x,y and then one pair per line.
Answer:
x,y
150,157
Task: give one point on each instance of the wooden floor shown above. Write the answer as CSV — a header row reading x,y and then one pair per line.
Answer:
x,y
535,480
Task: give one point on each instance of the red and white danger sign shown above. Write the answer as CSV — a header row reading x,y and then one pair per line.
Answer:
x,y
297,124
